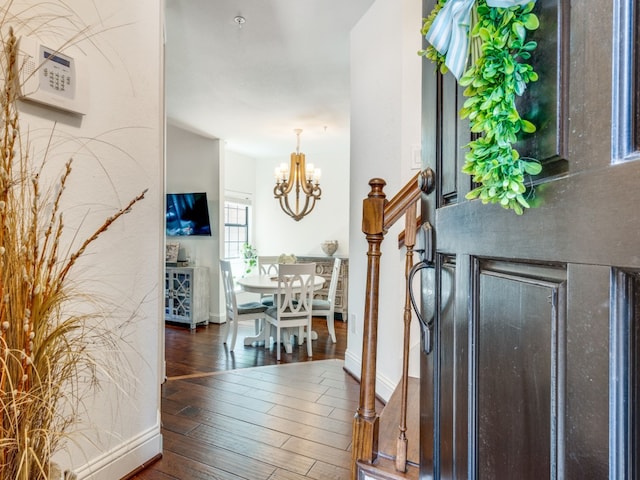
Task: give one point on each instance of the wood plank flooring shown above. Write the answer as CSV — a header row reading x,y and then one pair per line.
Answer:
x,y
223,418
203,351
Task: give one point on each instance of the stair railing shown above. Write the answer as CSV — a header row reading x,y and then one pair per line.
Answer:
x,y
378,216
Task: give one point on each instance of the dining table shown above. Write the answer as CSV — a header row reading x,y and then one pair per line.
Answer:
x,y
268,285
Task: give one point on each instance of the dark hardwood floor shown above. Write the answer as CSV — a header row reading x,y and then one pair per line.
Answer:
x,y
223,419
202,351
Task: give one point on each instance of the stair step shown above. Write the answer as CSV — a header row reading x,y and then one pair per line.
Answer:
x,y
384,469
390,420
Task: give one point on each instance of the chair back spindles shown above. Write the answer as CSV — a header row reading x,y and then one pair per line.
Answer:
x,y
229,293
326,308
295,289
235,313
268,265
293,302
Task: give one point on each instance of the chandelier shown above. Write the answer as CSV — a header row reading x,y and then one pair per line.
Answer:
x,y
304,178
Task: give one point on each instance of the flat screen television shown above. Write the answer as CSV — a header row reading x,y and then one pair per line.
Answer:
x,y
187,214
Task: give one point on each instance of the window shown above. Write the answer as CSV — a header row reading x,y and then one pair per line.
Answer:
x,y
236,229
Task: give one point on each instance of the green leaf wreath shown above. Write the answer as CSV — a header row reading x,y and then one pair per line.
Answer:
x,y
499,73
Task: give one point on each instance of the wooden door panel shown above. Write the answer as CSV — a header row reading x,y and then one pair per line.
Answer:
x,y
448,191
545,102
517,334
624,400
633,380
448,442
566,228
538,408
536,360
586,404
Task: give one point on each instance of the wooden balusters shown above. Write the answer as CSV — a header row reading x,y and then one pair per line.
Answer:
x,y
409,241
378,216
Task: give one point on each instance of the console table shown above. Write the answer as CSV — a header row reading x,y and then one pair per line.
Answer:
x,y
186,292
324,268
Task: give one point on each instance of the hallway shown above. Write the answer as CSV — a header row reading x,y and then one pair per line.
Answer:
x,y
223,418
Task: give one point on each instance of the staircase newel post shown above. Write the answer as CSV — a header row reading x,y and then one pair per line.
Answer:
x,y
366,420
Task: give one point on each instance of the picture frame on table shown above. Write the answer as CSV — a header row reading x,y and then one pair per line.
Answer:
x,y
171,256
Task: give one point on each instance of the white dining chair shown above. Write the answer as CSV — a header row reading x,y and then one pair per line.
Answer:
x,y
237,313
267,265
294,300
326,308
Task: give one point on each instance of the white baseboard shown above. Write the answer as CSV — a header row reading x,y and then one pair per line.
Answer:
x,y
125,458
217,318
384,385
352,363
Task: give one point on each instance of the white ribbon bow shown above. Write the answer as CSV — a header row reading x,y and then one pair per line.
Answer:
x,y
449,32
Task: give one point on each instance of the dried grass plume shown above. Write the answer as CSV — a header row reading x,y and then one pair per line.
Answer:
x,y
43,348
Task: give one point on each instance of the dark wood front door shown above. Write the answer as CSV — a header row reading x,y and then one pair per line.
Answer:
x,y
536,349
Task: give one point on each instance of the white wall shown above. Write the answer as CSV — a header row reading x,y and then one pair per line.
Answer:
x,y
117,151
239,174
385,128
277,233
194,165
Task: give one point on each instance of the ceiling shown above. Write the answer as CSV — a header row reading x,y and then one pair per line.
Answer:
x,y
252,84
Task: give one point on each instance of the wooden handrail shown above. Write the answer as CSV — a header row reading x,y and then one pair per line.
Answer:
x,y
422,182
378,216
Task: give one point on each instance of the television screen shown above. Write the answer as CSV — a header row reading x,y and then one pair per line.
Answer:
x,y
187,214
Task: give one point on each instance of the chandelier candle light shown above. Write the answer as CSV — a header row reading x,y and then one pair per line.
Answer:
x,y
304,177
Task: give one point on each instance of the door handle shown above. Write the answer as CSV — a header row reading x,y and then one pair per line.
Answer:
x,y
426,326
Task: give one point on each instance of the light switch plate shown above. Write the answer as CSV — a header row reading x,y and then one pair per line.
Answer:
x,y
416,157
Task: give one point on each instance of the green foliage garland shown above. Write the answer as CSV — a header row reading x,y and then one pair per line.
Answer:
x,y
430,52
496,77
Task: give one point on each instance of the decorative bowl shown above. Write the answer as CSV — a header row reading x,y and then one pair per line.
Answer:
x,y
329,247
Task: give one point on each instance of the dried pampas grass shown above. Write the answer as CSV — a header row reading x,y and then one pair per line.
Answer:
x,y
44,350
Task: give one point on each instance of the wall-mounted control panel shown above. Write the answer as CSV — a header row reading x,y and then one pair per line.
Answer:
x,y
52,78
